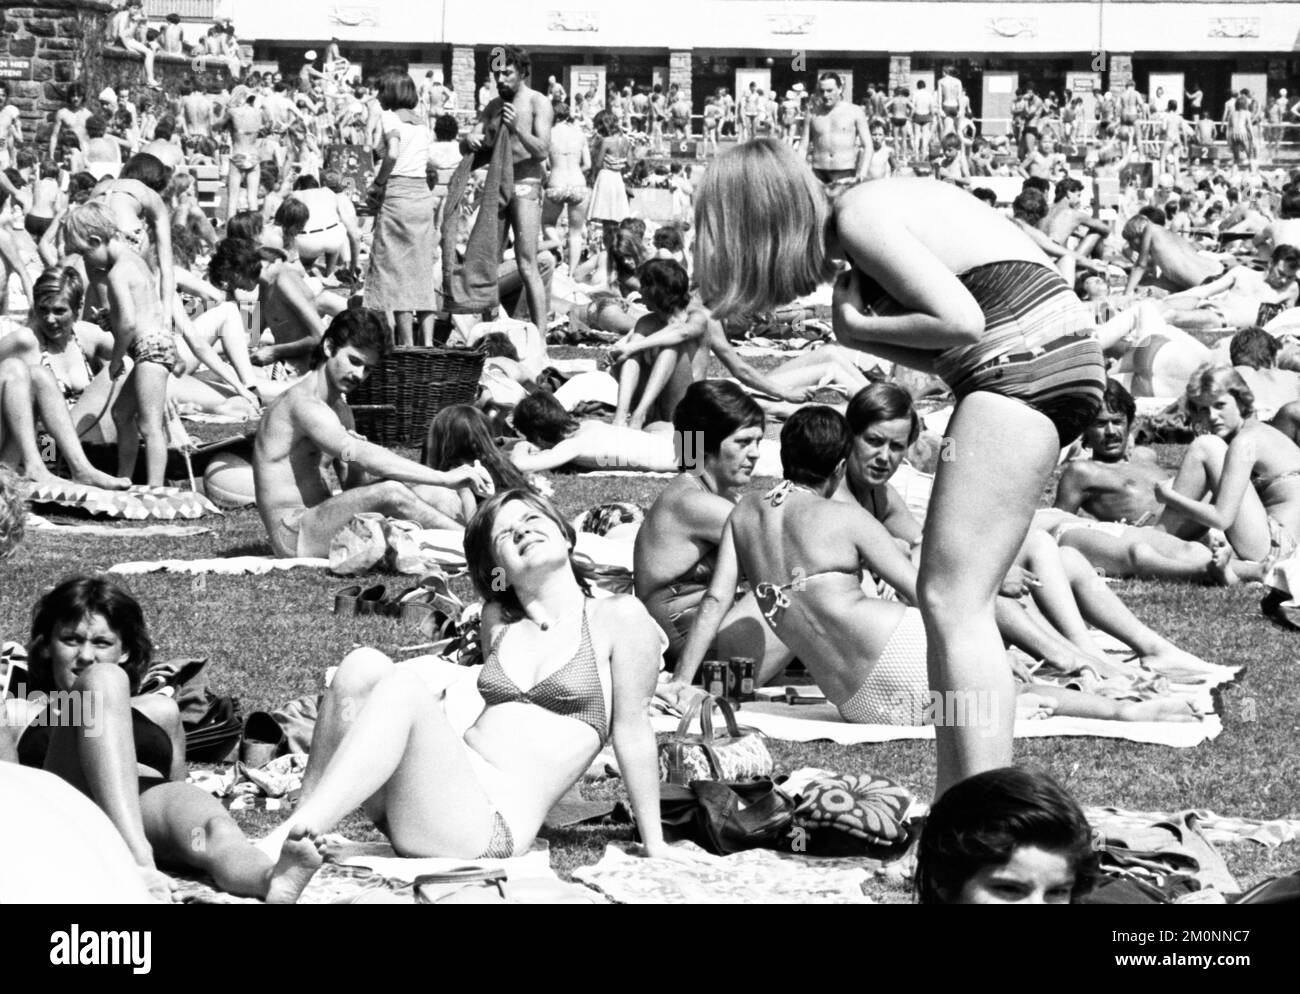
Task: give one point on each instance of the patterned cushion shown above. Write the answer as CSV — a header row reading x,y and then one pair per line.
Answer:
x,y
864,806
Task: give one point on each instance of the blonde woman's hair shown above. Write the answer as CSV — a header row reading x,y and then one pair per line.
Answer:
x,y
90,220
761,219
1210,379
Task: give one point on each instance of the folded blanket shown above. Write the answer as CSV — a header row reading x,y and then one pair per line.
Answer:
x,y
754,877
38,525
231,566
822,722
136,504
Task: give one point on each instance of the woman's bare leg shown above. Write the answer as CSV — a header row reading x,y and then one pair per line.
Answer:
x,y
661,372
1104,610
980,510
58,422
577,226
1054,596
402,322
226,323
1198,476
629,378
18,421
403,755
99,757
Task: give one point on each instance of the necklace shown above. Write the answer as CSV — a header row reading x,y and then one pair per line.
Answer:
x,y
782,490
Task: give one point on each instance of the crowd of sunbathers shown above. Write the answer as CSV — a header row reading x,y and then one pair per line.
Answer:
x,y
885,602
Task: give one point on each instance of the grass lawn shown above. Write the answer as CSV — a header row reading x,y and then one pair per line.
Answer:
x,y
270,638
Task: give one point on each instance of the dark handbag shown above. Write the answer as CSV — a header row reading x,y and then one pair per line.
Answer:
x,y
213,736
739,754
726,818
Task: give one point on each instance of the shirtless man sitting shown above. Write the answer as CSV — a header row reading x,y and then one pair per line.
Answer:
x,y
526,115
244,122
1170,261
288,309
1240,298
1066,218
310,423
836,137
1117,488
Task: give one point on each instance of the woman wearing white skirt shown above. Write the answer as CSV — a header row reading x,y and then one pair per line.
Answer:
x,y
608,193
400,281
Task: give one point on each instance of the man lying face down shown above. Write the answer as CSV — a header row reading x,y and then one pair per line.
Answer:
x,y
310,425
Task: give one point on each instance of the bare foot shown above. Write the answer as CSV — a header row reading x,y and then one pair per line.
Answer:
x,y
40,476
1219,569
299,860
160,886
92,477
1178,665
1034,706
1160,709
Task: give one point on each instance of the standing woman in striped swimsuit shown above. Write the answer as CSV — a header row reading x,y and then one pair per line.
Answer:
x,y
940,283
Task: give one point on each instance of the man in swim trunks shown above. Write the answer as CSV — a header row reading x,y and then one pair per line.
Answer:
x,y
1239,297
1241,132
244,122
1165,259
951,101
527,116
751,105
679,115
836,137
310,425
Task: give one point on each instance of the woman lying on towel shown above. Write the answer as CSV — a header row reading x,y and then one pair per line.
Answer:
x,y
1243,478
1065,588
804,553
719,426
89,651
554,438
564,674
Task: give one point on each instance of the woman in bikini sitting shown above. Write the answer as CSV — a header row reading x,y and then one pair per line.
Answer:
x,y
89,649
717,428
1243,478
554,438
805,554
1065,593
46,367
564,674
938,283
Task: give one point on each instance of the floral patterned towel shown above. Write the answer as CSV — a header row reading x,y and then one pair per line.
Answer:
x,y
754,877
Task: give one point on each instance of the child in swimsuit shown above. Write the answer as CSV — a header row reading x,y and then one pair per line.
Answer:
x,y
135,311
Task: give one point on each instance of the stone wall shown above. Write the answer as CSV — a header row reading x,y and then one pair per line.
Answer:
x,y
47,45
44,47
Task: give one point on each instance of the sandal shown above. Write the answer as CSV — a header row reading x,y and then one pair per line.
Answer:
x,y
345,600
371,601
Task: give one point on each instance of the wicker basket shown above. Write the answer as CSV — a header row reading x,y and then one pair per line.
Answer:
x,y
416,383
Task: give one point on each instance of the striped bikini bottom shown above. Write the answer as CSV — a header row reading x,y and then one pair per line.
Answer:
x,y
1037,346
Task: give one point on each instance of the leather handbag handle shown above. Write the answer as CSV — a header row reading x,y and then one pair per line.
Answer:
x,y
684,726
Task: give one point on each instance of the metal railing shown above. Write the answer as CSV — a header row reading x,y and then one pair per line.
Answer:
x,y
189,10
